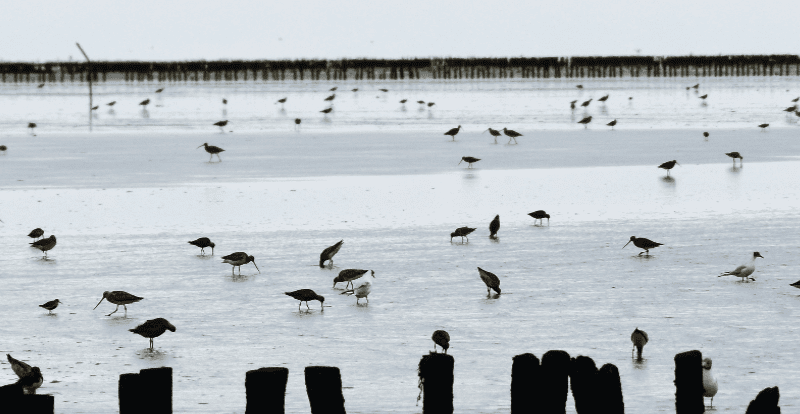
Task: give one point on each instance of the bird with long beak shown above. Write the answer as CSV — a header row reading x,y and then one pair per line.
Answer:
x,y
735,155
441,338
349,275
491,280
305,295
643,243
469,161
153,329
118,297
744,270
212,150
239,259
495,133
202,243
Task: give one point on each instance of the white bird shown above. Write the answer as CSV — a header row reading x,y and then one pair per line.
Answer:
x,y
362,291
709,382
744,270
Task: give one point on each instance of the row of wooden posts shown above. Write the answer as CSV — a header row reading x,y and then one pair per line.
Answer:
x,y
384,69
536,387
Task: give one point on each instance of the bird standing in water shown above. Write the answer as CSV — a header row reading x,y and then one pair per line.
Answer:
x,y
511,135
212,150
494,227
494,133
612,124
491,280
50,305
118,297
735,155
461,232
32,126
585,121
30,378
362,291
305,295
153,329
36,233
239,259
643,243
668,165
469,160
202,243
744,270
710,386
441,338
221,124
349,275
639,339
329,252
763,126
453,132
540,215
45,244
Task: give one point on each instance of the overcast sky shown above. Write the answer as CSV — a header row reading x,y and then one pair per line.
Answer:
x,y
46,30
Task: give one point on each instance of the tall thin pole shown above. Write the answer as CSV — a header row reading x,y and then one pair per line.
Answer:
x,y
89,75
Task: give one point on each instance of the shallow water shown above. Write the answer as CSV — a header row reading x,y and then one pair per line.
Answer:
x,y
123,205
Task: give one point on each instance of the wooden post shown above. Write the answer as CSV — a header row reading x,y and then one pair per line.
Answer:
x,y
130,394
89,69
436,379
157,385
38,404
265,389
525,384
610,390
324,389
583,381
555,372
689,383
766,402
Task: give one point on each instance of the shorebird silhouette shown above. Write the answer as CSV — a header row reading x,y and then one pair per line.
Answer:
x,y
469,160
326,111
453,132
612,124
32,126
763,126
145,102
586,103
585,121
704,96
112,103
239,259
639,339
572,104
202,243
330,98
36,233
494,133
50,305
735,155
441,338
329,252
159,90
603,99
45,244
347,276
212,150
221,124
643,243
540,215
494,227
461,232
491,280
668,165
153,329
118,297
334,88
511,134
305,295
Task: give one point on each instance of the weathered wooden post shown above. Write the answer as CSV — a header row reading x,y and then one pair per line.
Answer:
x,y
37,404
265,389
766,402
610,390
583,381
89,69
525,384
436,380
324,389
689,383
130,394
555,372
157,385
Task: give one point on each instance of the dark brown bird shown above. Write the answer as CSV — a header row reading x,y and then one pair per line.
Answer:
x,y
404,101
540,215
297,121
469,160
791,108
421,102
159,90
50,305
3,147
112,103
668,165
430,104
383,90
330,98
585,121
36,233
493,132
603,99
511,134
94,108
118,297
354,90
461,232
494,227
572,104
45,244
735,155
202,243
145,102
224,101
643,243
281,101
796,99
326,111
441,338
763,126
239,259
586,103
153,329
704,96
30,378
349,275
41,85
705,134
579,86
796,284
453,132
305,295
696,86
612,124
328,254
212,150
32,126
335,88
639,339
221,124
491,280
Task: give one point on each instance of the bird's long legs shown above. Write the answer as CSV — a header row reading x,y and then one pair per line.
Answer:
x,y
115,311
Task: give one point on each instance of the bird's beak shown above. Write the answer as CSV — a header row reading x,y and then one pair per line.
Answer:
x,y
629,242
678,163
254,264
98,303
459,163
198,147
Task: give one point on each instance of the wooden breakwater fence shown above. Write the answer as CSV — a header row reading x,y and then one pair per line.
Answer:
x,y
536,387
393,69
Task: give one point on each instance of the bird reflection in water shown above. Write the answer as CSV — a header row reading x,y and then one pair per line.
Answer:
x,y
735,169
668,180
145,113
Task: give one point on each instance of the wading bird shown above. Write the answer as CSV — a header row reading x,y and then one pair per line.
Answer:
x,y
579,86
612,124
224,101
335,88
494,133
383,90
404,101
453,132
643,243
330,98
221,124
145,102
212,150
45,244
362,291
469,160
94,108
112,103
705,134
297,123
328,254
639,339
30,378
744,270
41,85
202,243
585,121
118,297
349,275
50,305
796,99
586,103
159,90
239,259
491,280
430,104
3,147
36,233
704,96
710,386
735,155
461,232
153,329
668,165
354,90
326,111
494,227
441,338
603,98
32,126
511,134
791,108
305,295
763,126
572,104
421,102
540,215
696,86
281,101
